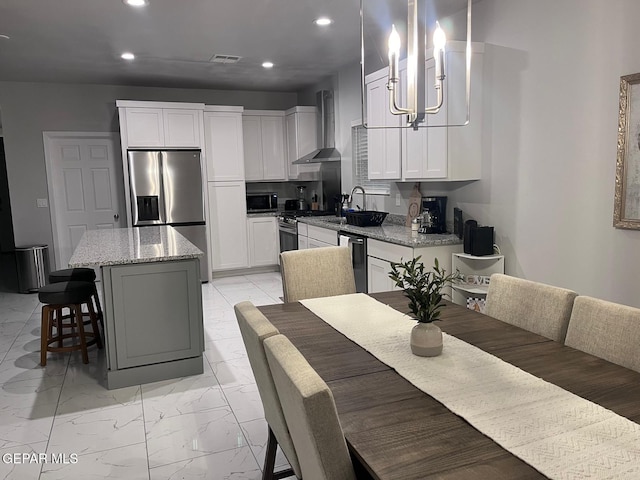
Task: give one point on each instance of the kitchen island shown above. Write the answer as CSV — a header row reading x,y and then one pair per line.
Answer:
x,y
152,302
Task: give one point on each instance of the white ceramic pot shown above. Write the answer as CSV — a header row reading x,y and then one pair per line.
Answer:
x,y
426,340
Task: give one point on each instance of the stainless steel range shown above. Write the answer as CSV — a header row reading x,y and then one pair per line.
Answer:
x,y
288,226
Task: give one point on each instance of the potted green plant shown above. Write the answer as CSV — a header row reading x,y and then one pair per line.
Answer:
x,y
423,288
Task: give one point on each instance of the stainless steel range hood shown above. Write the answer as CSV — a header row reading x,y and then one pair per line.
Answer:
x,y
325,132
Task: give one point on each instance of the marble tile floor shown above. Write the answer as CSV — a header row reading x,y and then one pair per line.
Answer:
x,y
209,426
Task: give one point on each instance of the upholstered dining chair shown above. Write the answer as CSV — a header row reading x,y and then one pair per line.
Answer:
x,y
316,272
536,307
255,328
607,330
310,412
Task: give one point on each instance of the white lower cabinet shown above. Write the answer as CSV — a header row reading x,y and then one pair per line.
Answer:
x,y
263,244
227,225
312,236
381,253
378,275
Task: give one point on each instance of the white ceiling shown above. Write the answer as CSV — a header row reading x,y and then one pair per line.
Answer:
x,y
80,41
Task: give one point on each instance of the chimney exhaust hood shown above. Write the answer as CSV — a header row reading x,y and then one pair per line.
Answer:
x,y
325,125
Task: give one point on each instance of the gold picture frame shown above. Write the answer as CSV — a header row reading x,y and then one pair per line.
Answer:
x,y
626,211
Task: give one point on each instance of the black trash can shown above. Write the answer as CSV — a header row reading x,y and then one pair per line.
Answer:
x,y
32,263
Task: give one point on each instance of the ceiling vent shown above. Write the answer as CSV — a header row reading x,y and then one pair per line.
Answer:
x,y
225,59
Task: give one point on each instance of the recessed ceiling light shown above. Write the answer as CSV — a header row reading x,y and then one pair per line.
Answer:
x,y
4,37
323,21
267,64
127,56
136,3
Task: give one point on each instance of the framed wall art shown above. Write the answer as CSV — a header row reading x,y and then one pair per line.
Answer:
x,y
626,213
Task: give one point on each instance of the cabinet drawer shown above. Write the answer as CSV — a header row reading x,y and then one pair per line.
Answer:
x,y
323,234
302,229
388,251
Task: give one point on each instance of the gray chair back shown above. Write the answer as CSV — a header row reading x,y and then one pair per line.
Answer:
x,y
607,330
536,307
255,328
310,412
316,272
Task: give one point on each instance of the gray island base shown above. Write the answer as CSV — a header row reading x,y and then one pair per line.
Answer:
x,y
152,302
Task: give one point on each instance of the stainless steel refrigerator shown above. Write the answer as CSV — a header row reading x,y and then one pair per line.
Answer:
x,y
166,189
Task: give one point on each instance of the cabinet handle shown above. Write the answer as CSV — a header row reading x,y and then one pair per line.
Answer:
x,y
116,217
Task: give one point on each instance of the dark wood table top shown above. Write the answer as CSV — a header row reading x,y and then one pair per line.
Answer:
x,y
396,431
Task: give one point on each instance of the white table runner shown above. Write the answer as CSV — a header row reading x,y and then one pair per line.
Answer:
x,y
558,433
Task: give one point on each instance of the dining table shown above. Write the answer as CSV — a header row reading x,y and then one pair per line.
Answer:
x,y
394,430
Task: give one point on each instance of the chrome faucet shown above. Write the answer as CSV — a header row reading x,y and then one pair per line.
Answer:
x,y
364,197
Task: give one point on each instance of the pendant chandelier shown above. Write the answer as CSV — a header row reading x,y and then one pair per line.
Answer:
x,y
416,108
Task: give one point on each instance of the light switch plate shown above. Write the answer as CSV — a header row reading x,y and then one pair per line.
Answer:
x,y
42,202
398,199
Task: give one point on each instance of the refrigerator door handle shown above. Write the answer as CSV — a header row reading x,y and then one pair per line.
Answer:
x,y
162,209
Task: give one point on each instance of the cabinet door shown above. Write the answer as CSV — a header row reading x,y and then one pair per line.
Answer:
x,y
157,312
181,127
383,144
301,140
224,146
424,152
378,276
252,142
303,242
436,159
273,152
313,243
227,225
145,127
263,248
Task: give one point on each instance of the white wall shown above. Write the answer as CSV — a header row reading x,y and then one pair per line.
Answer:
x,y
548,178
28,109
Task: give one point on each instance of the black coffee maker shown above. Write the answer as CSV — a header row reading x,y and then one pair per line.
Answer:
x,y
434,215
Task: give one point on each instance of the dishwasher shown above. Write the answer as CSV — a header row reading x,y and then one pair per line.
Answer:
x,y
358,246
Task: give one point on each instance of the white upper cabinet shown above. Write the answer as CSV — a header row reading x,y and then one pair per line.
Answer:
x,y
301,140
181,127
437,154
424,151
264,151
383,143
224,148
160,124
145,127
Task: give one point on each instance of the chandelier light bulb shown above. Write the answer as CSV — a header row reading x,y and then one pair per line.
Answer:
x,y
394,42
439,38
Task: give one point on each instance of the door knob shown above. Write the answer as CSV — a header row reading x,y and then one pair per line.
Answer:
x,y
116,217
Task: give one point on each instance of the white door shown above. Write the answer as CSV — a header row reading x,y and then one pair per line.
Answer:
x,y
86,191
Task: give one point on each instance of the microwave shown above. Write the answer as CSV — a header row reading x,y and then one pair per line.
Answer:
x,y
262,202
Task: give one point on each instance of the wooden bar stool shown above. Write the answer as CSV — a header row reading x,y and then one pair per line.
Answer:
x,y
80,275
70,295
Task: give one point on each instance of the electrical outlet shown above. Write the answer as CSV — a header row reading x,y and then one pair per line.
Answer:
x,y
398,199
42,202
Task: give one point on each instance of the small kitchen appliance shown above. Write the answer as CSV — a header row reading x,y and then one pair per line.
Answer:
x,y
478,241
433,219
302,198
262,202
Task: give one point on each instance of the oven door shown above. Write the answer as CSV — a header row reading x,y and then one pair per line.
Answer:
x,y
288,237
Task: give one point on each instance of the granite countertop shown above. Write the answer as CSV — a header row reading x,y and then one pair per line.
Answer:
x,y
121,246
392,230
262,214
